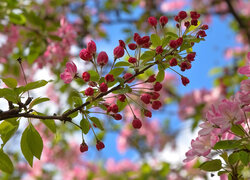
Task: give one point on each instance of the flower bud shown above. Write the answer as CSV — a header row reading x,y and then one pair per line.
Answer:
x,y
86,76
109,78
118,52
152,21
103,87
85,55
156,105
137,123
163,20
91,47
99,145
102,58
132,60
89,91
132,46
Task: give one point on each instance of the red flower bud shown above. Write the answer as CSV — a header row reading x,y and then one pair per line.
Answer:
x,y
117,116
184,80
118,52
114,108
187,24
204,27
86,76
136,36
122,97
132,46
182,15
102,58
155,95
122,43
156,105
109,78
147,45
159,50
147,113
132,60
173,44
176,18
163,20
127,76
179,41
145,39
157,86
99,145
137,123
194,15
173,62
83,147
91,47
152,21
103,87
151,79
145,98
85,55
191,56
202,33
89,91
194,22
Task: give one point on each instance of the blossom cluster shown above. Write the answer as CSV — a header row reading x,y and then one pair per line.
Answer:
x,y
220,119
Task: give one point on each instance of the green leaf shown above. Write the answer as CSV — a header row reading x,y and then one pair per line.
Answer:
x,y
25,148
124,90
192,27
10,82
84,125
97,122
37,101
94,76
122,63
77,100
50,123
55,38
172,35
214,165
8,94
166,41
7,130
238,129
17,18
117,71
35,85
121,105
156,40
34,141
233,158
147,56
160,76
5,163
244,157
227,144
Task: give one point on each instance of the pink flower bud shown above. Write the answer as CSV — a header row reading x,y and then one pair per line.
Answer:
x,y
83,147
132,46
99,145
159,50
102,58
85,55
89,91
103,87
156,105
173,62
182,15
145,98
132,60
163,20
86,76
151,79
137,123
122,43
152,21
184,80
109,78
118,52
91,47
157,86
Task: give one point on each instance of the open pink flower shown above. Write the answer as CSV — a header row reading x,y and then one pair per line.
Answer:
x,y
245,69
69,73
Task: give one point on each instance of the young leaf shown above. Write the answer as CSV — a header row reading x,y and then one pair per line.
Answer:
x,y
5,163
160,76
35,85
214,165
25,148
122,63
94,76
156,40
10,82
37,101
97,122
34,141
50,123
226,144
7,130
238,129
121,105
233,158
148,56
117,71
84,125
244,157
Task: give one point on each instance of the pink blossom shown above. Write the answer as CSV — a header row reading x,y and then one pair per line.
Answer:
x,y
201,146
120,167
69,73
172,5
